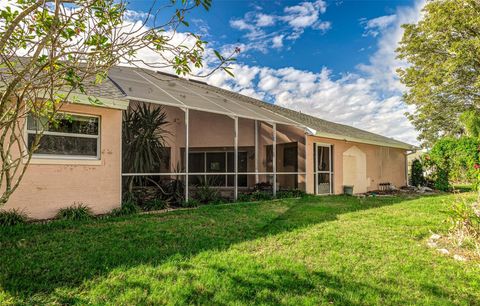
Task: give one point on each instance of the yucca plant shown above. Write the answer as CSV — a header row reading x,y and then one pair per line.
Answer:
x,y
143,141
205,193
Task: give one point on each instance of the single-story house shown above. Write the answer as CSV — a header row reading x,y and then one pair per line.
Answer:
x,y
238,140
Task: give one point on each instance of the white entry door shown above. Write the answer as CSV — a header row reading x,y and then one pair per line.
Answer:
x,y
323,169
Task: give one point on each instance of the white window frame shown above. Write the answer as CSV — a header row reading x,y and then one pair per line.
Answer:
x,y
317,172
63,156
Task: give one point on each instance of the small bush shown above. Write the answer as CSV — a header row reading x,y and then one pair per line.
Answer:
x,y
442,182
266,196
220,201
261,196
12,217
416,177
75,212
288,194
205,193
244,197
464,219
129,207
190,203
155,204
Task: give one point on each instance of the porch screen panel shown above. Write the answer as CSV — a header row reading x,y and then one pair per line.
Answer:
x,y
216,163
196,163
242,167
137,84
159,87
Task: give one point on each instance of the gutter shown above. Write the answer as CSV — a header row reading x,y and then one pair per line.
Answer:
x,y
371,142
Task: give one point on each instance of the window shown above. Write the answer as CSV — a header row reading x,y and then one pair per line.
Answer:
x,y
196,164
70,136
242,167
290,157
217,162
287,157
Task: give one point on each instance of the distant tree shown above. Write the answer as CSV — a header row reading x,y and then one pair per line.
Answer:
x,y
443,75
471,123
50,48
454,160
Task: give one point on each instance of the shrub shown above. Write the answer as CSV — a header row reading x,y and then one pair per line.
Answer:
x,y
12,217
190,203
205,193
155,204
453,160
464,219
173,191
294,193
75,212
220,201
143,142
128,207
441,180
416,177
244,197
261,196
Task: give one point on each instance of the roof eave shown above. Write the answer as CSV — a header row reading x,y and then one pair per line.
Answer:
x,y
83,99
371,142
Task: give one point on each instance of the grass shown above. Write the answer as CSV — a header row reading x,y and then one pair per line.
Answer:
x,y
314,250
76,212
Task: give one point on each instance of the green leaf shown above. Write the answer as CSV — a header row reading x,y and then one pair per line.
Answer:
x,y
228,71
218,55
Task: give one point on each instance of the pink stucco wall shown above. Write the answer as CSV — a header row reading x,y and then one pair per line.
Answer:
x,y
383,164
49,185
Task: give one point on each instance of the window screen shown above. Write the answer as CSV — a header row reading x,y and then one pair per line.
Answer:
x,y
217,162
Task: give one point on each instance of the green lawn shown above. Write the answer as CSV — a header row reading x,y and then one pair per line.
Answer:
x,y
316,250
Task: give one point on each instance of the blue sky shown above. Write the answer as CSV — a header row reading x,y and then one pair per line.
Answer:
x,y
333,59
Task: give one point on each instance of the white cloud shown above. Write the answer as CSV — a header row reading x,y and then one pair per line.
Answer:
x,y
383,63
375,26
241,24
305,14
291,24
201,27
264,20
277,41
134,16
351,99
322,26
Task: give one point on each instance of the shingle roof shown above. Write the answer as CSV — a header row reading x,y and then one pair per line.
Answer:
x,y
106,89
327,128
156,87
107,92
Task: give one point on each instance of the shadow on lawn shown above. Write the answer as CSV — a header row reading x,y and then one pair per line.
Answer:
x,y
37,259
